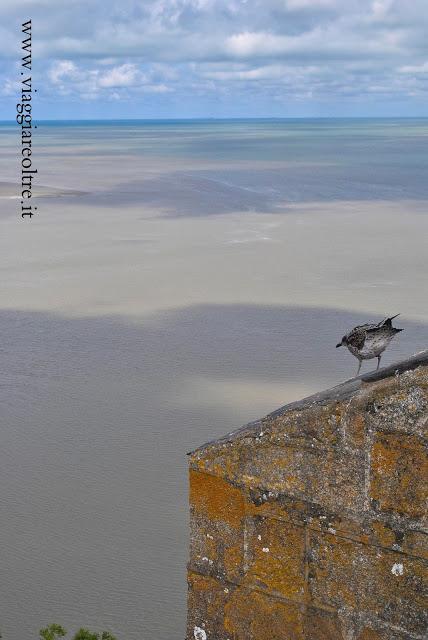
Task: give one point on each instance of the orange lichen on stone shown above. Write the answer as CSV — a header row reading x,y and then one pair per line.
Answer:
x,y
395,460
416,543
321,424
370,634
321,625
219,460
369,579
355,429
206,602
251,615
216,498
276,558
334,570
382,535
381,634
201,583
232,559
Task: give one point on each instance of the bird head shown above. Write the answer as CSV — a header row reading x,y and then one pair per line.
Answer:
x,y
343,342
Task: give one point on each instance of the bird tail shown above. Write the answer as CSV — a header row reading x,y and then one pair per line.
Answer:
x,y
388,323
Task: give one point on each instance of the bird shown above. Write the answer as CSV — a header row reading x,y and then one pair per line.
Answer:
x,y
368,341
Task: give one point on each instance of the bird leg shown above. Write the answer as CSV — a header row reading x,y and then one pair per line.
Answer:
x,y
359,366
378,362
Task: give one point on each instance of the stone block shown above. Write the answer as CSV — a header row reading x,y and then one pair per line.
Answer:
x,y
358,577
275,558
399,474
321,625
252,615
206,604
217,527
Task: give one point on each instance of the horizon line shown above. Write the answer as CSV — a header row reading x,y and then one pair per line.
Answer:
x,y
219,118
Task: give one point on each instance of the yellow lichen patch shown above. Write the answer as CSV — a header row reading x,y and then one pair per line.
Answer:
x,y
299,428
204,546
395,459
382,535
276,558
399,583
232,560
291,509
222,460
355,429
216,498
201,583
250,615
335,570
368,579
416,543
321,625
206,600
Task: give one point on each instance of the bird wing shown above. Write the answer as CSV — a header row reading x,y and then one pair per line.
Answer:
x,y
375,329
365,327
357,336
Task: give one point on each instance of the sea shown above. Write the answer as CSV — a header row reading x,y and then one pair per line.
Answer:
x,y
179,279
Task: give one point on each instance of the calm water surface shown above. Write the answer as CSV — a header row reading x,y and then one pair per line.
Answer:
x,y
181,279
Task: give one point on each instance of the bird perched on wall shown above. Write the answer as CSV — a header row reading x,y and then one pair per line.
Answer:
x,y
369,340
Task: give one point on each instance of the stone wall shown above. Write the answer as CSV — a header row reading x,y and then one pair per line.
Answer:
x,y
310,524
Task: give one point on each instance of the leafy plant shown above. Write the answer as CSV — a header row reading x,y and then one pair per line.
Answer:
x,y
52,632
55,631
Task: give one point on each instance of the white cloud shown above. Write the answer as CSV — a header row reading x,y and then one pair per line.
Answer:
x,y
253,44
311,4
62,70
267,72
10,87
418,68
157,88
69,78
126,75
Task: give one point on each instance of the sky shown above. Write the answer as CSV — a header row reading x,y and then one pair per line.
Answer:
x,y
218,58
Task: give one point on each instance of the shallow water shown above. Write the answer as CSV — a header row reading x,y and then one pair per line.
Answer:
x,y
180,280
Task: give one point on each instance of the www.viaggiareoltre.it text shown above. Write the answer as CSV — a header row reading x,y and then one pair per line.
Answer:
x,y
25,119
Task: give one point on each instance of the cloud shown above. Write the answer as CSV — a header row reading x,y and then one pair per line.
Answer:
x,y
10,87
94,82
311,4
255,44
418,68
126,75
63,70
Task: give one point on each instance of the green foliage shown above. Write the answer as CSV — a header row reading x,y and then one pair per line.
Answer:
x,y
52,632
85,634
55,631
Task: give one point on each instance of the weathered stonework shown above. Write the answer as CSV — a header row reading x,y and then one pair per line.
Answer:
x,y
311,524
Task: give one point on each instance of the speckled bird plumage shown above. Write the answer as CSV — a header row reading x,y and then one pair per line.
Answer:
x,y
368,341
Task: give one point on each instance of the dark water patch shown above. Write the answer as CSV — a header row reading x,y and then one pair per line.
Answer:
x,y
94,430
216,192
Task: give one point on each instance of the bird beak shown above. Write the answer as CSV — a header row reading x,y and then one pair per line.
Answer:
x,y
339,345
